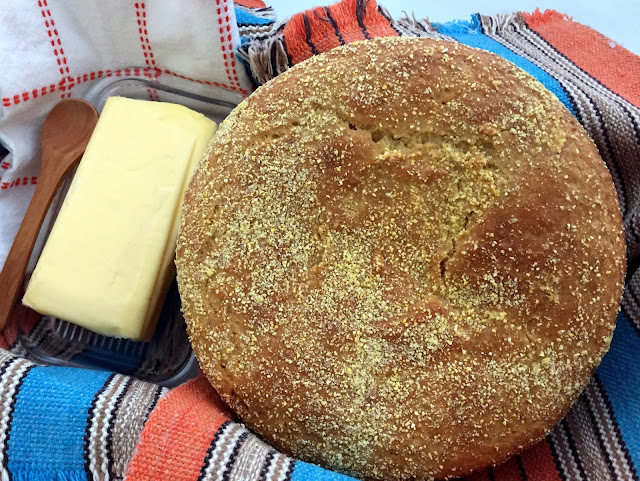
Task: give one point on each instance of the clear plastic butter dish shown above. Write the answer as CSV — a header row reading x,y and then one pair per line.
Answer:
x,y
167,359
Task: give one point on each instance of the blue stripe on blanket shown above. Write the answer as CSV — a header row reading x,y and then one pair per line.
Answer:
x,y
48,430
309,472
244,18
620,378
470,33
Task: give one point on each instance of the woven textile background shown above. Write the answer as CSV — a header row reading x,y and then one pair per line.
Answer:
x,y
71,424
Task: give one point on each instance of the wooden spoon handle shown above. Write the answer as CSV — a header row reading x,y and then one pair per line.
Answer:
x,y
12,275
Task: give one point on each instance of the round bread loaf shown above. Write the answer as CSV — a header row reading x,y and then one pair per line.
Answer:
x,y
402,259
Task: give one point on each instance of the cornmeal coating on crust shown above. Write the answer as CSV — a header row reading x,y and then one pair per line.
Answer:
x,y
401,259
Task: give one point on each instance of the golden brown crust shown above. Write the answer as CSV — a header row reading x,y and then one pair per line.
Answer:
x,y
401,259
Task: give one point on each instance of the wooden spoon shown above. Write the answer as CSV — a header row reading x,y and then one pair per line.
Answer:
x,y
65,134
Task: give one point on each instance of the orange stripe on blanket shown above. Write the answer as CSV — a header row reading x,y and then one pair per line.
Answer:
x,y
321,29
538,463
375,24
587,48
355,18
175,438
250,3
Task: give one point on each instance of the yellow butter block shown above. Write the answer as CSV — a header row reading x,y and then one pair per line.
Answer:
x,y
108,260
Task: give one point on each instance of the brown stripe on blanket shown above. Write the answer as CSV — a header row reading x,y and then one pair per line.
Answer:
x,y
250,460
568,466
13,377
605,428
231,461
12,372
279,468
97,454
594,459
606,405
222,450
128,419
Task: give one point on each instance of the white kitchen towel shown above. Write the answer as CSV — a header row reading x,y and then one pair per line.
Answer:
x,y
55,49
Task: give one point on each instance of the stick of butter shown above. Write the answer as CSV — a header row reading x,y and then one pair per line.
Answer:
x,y
108,261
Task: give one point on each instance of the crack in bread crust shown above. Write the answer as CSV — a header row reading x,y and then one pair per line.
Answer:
x,y
401,259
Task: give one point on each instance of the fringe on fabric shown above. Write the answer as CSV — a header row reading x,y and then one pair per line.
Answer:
x,y
258,22
267,55
48,476
498,24
265,51
410,26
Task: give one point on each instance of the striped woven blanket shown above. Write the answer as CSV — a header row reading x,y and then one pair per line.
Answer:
x,y
61,423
